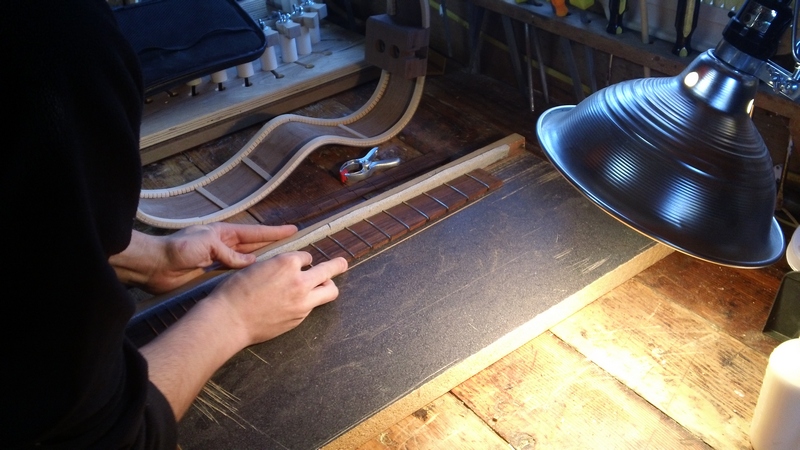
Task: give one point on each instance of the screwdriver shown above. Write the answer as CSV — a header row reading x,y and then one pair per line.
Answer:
x,y
685,24
615,10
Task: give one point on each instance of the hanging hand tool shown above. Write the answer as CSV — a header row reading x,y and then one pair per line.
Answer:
x,y
560,7
583,6
446,26
685,24
362,168
615,10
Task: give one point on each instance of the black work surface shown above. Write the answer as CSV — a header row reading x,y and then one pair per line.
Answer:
x,y
410,312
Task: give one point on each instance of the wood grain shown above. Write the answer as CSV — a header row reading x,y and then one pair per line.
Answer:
x,y
444,424
691,370
547,395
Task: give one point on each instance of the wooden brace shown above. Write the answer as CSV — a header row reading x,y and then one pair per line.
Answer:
x,y
399,49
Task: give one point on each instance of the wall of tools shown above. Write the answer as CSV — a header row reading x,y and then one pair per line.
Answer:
x,y
575,47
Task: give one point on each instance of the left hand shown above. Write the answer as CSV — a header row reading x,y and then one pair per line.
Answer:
x,y
160,264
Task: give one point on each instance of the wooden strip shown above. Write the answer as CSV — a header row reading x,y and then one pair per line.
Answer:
x,y
406,216
433,209
703,378
316,255
213,198
330,249
354,243
397,221
549,394
352,131
444,424
256,168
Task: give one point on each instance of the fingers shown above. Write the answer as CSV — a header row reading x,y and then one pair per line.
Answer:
x,y
236,241
230,257
326,270
246,238
323,293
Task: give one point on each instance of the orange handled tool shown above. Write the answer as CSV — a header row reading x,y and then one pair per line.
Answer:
x,y
560,6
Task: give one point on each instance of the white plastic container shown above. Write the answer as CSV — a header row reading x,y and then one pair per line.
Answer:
x,y
793,251
776,419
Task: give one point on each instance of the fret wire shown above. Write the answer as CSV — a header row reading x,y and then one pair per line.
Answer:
x,y
478,180
172,314
161,320
152,328
320,250
341,245
457,190
395,218
359,237
417,210
447,208
378,228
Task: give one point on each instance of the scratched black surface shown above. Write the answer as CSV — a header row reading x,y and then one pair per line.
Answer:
x,y
413,310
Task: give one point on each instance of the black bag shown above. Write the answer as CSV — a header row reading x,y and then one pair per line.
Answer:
x,y
180,40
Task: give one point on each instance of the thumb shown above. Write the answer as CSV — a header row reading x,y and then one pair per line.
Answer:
x,y
232,258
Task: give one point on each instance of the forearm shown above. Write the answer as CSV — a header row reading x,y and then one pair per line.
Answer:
x,y
136,264
184,358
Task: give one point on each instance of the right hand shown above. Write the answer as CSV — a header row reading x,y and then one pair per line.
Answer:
x,y
274,296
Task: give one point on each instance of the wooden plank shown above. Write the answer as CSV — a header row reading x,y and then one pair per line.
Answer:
x,y
656,55
738,301
695,373
444,424
629,46
547,395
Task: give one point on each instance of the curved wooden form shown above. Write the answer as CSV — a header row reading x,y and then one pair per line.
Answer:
x,y
285,141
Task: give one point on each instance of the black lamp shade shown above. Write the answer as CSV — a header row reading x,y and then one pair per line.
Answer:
x,y
676,158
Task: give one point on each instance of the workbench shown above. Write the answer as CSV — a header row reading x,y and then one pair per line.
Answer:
x,y
427,312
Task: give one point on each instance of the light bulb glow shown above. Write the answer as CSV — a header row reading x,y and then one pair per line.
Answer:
x,y
691,79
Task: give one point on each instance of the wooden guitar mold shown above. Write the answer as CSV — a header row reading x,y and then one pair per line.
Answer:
x,y
395,42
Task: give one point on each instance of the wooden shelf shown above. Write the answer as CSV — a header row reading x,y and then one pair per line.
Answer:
x,y
657,55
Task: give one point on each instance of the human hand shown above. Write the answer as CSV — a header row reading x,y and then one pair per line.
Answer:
x,y
273,296
160,264
254,304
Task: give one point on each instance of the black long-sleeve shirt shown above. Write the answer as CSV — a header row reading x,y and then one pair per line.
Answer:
x,y
70,182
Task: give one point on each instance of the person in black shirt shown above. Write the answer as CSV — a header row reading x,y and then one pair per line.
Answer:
x,y
70,186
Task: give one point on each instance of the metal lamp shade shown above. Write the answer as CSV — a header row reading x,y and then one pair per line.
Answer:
x,y
677,159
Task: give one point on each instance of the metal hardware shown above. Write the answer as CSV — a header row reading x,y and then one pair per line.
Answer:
x,y
363,168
